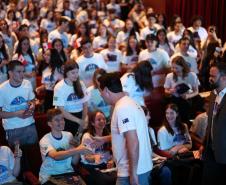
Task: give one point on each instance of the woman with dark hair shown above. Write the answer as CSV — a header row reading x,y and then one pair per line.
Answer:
x,y
101,157
138,83
60,54
96,102
8,36
24,54
163,42
130,56
4,58
48,22
173,136
50,76
122,36
71,97
182,88
161,20
100,41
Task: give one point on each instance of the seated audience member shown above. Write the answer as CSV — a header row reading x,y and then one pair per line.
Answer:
x,y
10,165
173,136
89,61
160,172
96,102
112,56
138,83
4,59
57,154
199,125
101,158
163,42
70,95
158,58
182,88
183,51
100,41
50,76
130,56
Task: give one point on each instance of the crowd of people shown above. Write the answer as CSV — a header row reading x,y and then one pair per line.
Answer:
x,y
98,61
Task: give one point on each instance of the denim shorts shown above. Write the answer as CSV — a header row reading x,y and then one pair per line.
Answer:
x,y
142,178
25,135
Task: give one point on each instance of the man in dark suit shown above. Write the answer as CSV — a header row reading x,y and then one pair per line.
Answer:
x,y
214,155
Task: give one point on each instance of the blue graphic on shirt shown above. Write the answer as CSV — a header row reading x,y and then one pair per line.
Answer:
x,y
72,97
153,61
91,68
3,174
179,138
18,103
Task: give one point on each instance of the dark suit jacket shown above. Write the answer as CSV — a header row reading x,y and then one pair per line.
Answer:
x,y
218,154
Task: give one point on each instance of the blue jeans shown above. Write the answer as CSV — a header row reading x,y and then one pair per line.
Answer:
x,y
142,178
25,135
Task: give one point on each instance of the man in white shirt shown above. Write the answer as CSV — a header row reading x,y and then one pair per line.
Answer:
x,y
17,106
89,62
130,139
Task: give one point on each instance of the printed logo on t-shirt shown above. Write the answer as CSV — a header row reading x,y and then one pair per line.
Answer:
x,y
91,68
179,138
112,58
18,103
153,61
124,121
72,97
3,174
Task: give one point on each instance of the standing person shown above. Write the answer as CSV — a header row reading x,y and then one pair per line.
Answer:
x,y
214,144
129,131
17,106
70,96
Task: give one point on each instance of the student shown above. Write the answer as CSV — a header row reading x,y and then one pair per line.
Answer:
x,y
173,136
70,95
130,139
10,165
57,154
101,158
17,106
138,83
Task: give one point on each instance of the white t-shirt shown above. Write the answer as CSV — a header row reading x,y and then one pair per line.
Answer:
x,y
87,67
6,165
159,59
56,34
13,99
65,96
96,102
167,141
49,165
173,37
191,80
48,25
129,60
99,42
201,31
130,86
114,59
146,31
191,62
128,116
49,79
